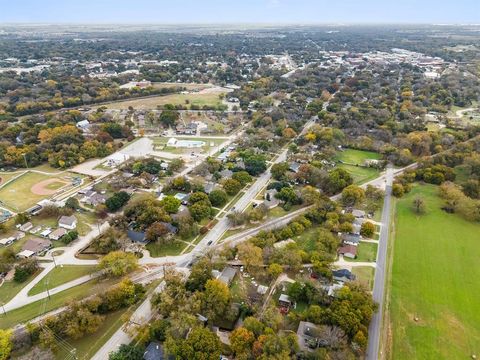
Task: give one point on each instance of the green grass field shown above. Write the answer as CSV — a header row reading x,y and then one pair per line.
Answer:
x,y
357,157
61,275
366,251
11,288
199,99
434,279
365,275
354,157
157,250
35,309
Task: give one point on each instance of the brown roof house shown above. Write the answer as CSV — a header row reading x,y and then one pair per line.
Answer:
x,y
349,251
34,247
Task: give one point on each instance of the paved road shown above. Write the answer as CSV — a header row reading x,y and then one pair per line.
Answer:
x,y
375,327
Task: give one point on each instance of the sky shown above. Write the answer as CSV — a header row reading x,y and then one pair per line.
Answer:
x,y
240,11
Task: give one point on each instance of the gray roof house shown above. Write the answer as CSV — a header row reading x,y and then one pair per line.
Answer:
x,y
154,351
351,239
343,275
226,174
227,275
294,167
68,222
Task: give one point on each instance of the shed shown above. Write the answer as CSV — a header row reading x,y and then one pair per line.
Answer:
x,y
227,275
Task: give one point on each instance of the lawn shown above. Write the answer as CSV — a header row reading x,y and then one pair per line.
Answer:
x,y
61,275
435,292
365,275
37,308
199,99
11,288
352,158
159,250
360,174
357,157
85,219
366,251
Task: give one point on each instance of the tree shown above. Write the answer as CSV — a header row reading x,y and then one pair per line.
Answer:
x,y
21,218
287,195
397,190
232,186
337,180
200,210
170,204
127,352
279,170
310,195
24,269
72,203
169,117
241,341
6,344
156,232
367,229
201,344
118,263
218,197
419,205
251,255
254,325
289,133
200,273
216,298
242,177
274,270
117,200
353,195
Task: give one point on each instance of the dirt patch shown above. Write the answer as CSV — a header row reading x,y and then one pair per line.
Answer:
x,y
45,187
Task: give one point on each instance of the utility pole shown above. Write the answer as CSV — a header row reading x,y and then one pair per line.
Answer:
x,y
25,158
3,308
53,257
46,285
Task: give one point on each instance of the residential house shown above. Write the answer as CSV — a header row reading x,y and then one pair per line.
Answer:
x,y
7,241
349,251
57,234
209,187
68,222
226,174
137,236
34,247
227,275
358,213
294,167
343,275
351,239
26,227
262,289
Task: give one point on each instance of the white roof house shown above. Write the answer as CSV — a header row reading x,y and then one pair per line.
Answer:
x,y
68,222
25,254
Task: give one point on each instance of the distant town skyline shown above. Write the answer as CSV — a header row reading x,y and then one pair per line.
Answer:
x,y
245,11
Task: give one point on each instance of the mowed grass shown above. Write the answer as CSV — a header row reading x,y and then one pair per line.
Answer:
x,y
352,158
435,278
199,99
159,250
161,144
357,157
33,310
365,275
11,288
366,251
61,275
